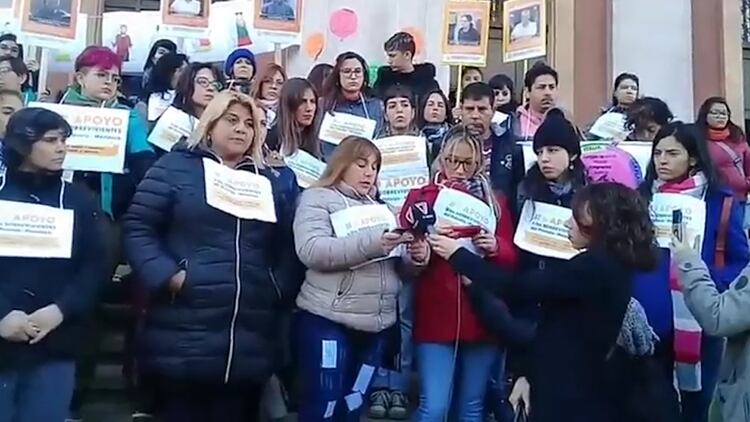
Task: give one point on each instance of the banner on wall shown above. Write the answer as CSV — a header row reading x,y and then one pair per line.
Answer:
x,y
524,29
466,27
49,24
185,18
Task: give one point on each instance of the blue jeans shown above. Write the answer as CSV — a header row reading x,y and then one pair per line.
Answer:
x,y
332,360
40,393
399,380
453,383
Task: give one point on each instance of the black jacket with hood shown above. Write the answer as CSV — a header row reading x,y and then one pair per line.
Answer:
x,y
421,81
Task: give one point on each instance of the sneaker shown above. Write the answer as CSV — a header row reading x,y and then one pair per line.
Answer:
x,y
379,403
399,406
142,417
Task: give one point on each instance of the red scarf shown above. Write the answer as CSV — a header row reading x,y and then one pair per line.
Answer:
x,y
719,134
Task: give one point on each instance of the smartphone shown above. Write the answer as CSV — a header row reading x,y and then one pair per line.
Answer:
x,y
677,224
399,230
466,231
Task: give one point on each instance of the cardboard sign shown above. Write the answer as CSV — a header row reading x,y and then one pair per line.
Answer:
x,y
240,193
35,231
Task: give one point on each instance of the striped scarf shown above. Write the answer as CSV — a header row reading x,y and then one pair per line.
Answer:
x,y
687,332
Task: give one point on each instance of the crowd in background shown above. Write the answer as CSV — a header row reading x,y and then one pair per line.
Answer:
x,y
236,319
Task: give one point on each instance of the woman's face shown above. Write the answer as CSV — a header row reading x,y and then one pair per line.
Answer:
x,y
502,97
233,134
305,114
176,75
671,160
553,162
98,83
205,87
471,77
627,92
646,131
576,235
362,174
435,109
160,51
270,87
352,75
48,153
460,163
399,113
243,69
718,116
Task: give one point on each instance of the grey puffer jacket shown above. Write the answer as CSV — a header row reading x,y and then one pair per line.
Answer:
x,y
347,281
727,315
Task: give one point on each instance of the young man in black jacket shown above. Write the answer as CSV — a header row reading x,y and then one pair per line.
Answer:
x,y
401,70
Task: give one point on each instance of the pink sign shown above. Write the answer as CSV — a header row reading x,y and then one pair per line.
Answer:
x,y
612,164
344,23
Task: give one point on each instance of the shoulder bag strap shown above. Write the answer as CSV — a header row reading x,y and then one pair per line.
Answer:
x,y
721,235
736,159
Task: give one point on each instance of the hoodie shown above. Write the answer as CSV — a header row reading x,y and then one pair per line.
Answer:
x,y
421,81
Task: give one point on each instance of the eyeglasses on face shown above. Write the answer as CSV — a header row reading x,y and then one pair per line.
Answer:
x,y
454,163
208,83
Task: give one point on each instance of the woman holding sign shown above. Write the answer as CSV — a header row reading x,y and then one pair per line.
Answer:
x,y
160,91
50,275
681,176
583,303
350,243
452,346
207,235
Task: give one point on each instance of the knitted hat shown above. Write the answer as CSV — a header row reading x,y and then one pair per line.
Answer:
x,y
557,131
240,53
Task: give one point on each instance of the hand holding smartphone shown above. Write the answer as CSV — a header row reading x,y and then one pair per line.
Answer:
x,y
677,227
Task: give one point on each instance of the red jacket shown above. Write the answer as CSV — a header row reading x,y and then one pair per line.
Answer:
x,y
438,288
738,182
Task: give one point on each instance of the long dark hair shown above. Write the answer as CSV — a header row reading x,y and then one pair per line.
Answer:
x,y
536,186
169,45
701,122
688,137
318,74
421,123
183,100
332,85
291,135
500,81
620,224
161,74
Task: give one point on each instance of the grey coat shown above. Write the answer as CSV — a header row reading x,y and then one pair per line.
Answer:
x,y
724,314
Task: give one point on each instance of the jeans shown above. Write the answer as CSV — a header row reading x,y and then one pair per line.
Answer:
x,y
399,380
334,363
40,393
454,383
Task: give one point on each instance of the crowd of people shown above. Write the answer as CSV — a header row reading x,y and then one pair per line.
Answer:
x,y
238,318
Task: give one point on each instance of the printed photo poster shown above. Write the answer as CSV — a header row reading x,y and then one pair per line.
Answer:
x,y
185,18
524,29
49,23
279,20
466,26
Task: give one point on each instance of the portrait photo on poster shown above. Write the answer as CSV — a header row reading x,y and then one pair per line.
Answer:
x,y
51,12
50,18
185,13
466,26
524,30
278,15
524,23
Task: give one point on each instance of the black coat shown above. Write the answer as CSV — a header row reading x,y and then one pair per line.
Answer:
x,y
421,81
222,325
28,284
582,308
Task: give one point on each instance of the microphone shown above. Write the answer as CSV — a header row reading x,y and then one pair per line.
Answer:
x,y
421,217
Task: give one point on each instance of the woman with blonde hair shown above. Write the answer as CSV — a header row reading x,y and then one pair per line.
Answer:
x,y
217,276
346,237
267,90
453,349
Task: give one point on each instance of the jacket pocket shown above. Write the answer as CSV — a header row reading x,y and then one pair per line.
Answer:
x,y
345,285
734,401
181,295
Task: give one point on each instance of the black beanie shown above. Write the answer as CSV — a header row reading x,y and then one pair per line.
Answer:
x,y
557,131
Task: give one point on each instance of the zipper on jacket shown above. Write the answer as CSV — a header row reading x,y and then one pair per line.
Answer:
x,y
236,302
275,284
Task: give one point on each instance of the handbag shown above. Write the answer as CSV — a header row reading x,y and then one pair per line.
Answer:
x,y
521,415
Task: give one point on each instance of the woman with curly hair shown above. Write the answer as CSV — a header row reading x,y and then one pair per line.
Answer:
x,y
645,117
681,164
583,302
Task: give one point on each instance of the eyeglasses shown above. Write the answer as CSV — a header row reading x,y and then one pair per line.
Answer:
x,y
352,72
206,83
107,77
454,163
716,113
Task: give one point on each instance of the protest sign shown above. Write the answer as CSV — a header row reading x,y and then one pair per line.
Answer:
x,y
35,231
240,193
99,137
337,126
466,27
307,168
693,216
542,230
404,167
173,125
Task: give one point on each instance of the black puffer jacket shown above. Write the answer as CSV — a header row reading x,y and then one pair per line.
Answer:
x,y
421,81
222,326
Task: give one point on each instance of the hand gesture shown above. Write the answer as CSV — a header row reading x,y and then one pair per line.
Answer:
x,y
685,244
392,239
419,250
444,246
45,320
15,327
32,65
485,242
521,394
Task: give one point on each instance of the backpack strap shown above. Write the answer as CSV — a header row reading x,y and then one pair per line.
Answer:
x,y
736,158
721,234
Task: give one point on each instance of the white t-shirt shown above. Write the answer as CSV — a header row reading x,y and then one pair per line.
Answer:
x,y
524,31
186,7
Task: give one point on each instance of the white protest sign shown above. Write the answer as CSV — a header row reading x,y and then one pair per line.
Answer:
x,y
610,126
158,103
240,193
458,208
35,231
337,126
542,230
171,127
99,137
307,168
404,167
693,216
364,217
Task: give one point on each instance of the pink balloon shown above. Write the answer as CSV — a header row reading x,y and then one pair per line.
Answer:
x,y
343,23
